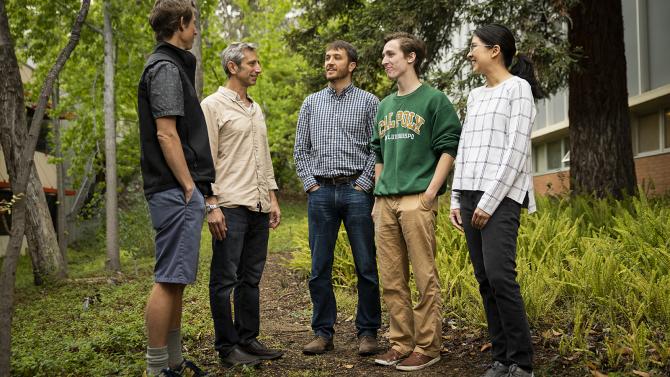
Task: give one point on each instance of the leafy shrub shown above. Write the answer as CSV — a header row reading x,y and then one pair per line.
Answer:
x,y
598,269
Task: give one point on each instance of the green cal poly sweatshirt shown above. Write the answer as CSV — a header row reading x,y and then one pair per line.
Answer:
x,y
411,133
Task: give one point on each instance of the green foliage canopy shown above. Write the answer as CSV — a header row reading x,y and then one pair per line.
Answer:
x,y
539,26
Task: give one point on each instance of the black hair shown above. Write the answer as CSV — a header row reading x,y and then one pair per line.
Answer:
x,y
522,66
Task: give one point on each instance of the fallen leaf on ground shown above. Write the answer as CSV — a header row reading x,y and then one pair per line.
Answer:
x,y
641,373
598,374
625,351
486,347
349,366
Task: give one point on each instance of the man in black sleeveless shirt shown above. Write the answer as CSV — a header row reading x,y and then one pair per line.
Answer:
x,y
177,170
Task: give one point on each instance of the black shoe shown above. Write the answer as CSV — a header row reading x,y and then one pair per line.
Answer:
x,y
259,349
188,369
238,357
167,372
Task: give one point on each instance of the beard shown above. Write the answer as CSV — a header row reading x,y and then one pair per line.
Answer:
x,y
338,75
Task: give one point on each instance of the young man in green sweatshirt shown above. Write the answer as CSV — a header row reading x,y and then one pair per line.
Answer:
x,y
415,141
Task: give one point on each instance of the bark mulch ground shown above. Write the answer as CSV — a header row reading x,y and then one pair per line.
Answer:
x,y
285,324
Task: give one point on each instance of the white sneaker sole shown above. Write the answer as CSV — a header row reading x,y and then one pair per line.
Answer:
x,y
417,367
387,363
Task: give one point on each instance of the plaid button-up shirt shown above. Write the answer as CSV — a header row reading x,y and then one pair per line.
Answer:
x,y
333,136
494,154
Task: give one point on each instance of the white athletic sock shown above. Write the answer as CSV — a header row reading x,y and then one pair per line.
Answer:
x,y
174,348
157,360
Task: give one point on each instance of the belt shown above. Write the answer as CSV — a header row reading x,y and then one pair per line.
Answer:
x,y
339,180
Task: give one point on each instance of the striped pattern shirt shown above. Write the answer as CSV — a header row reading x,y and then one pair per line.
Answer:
x,y
494,154
333,136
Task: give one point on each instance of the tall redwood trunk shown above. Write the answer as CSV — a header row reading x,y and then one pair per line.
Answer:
x,y
601,155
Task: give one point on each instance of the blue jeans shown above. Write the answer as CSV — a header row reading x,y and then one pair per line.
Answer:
x,y
327,207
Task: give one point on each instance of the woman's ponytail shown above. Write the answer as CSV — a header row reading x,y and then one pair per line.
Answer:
x,y
522,67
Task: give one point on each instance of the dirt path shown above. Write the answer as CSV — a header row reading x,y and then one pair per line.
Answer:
x,y
285,324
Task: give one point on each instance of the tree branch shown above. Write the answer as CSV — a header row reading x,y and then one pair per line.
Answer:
x,y
34,130
93,27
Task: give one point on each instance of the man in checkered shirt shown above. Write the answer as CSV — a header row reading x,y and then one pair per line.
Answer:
x,y
334,161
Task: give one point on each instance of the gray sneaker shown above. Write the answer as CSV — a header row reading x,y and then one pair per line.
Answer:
x,y
497,369
515,371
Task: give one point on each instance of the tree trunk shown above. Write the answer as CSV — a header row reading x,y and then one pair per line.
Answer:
x,y
601,155
197,51
19,157
40,233
61,218
113,262
13,119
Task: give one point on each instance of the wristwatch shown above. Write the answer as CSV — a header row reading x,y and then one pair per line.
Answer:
x,y
211,207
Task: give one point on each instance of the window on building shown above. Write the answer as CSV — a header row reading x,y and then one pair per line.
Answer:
x,y
541,116
540,158
667,128
659,54
630,37
647,133
566,153
556,106
554,155
551,156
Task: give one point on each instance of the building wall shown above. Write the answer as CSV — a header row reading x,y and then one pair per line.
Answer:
x,y
653,174
552,183
646,32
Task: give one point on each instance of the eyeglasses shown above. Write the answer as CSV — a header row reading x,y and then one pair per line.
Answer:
x,y
474,46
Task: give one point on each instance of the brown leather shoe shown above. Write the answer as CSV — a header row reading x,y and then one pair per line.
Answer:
x,y
416,361
391,357
367,345
318,346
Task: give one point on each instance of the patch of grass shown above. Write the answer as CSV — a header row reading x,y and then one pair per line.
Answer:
x,y
293,216
598,270
93,323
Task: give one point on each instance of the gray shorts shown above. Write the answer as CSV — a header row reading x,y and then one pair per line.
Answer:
x,y
178,227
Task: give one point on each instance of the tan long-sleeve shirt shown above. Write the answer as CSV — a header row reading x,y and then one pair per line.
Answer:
x,y
240,150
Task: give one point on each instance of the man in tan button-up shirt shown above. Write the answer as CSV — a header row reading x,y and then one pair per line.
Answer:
x,y
242,209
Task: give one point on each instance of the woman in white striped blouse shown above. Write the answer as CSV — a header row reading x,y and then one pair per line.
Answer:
x,y
492,181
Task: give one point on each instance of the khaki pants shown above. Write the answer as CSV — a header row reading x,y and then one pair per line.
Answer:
x,y
404,233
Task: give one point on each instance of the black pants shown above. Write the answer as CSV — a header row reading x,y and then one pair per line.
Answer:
x,y
237,266
493,255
